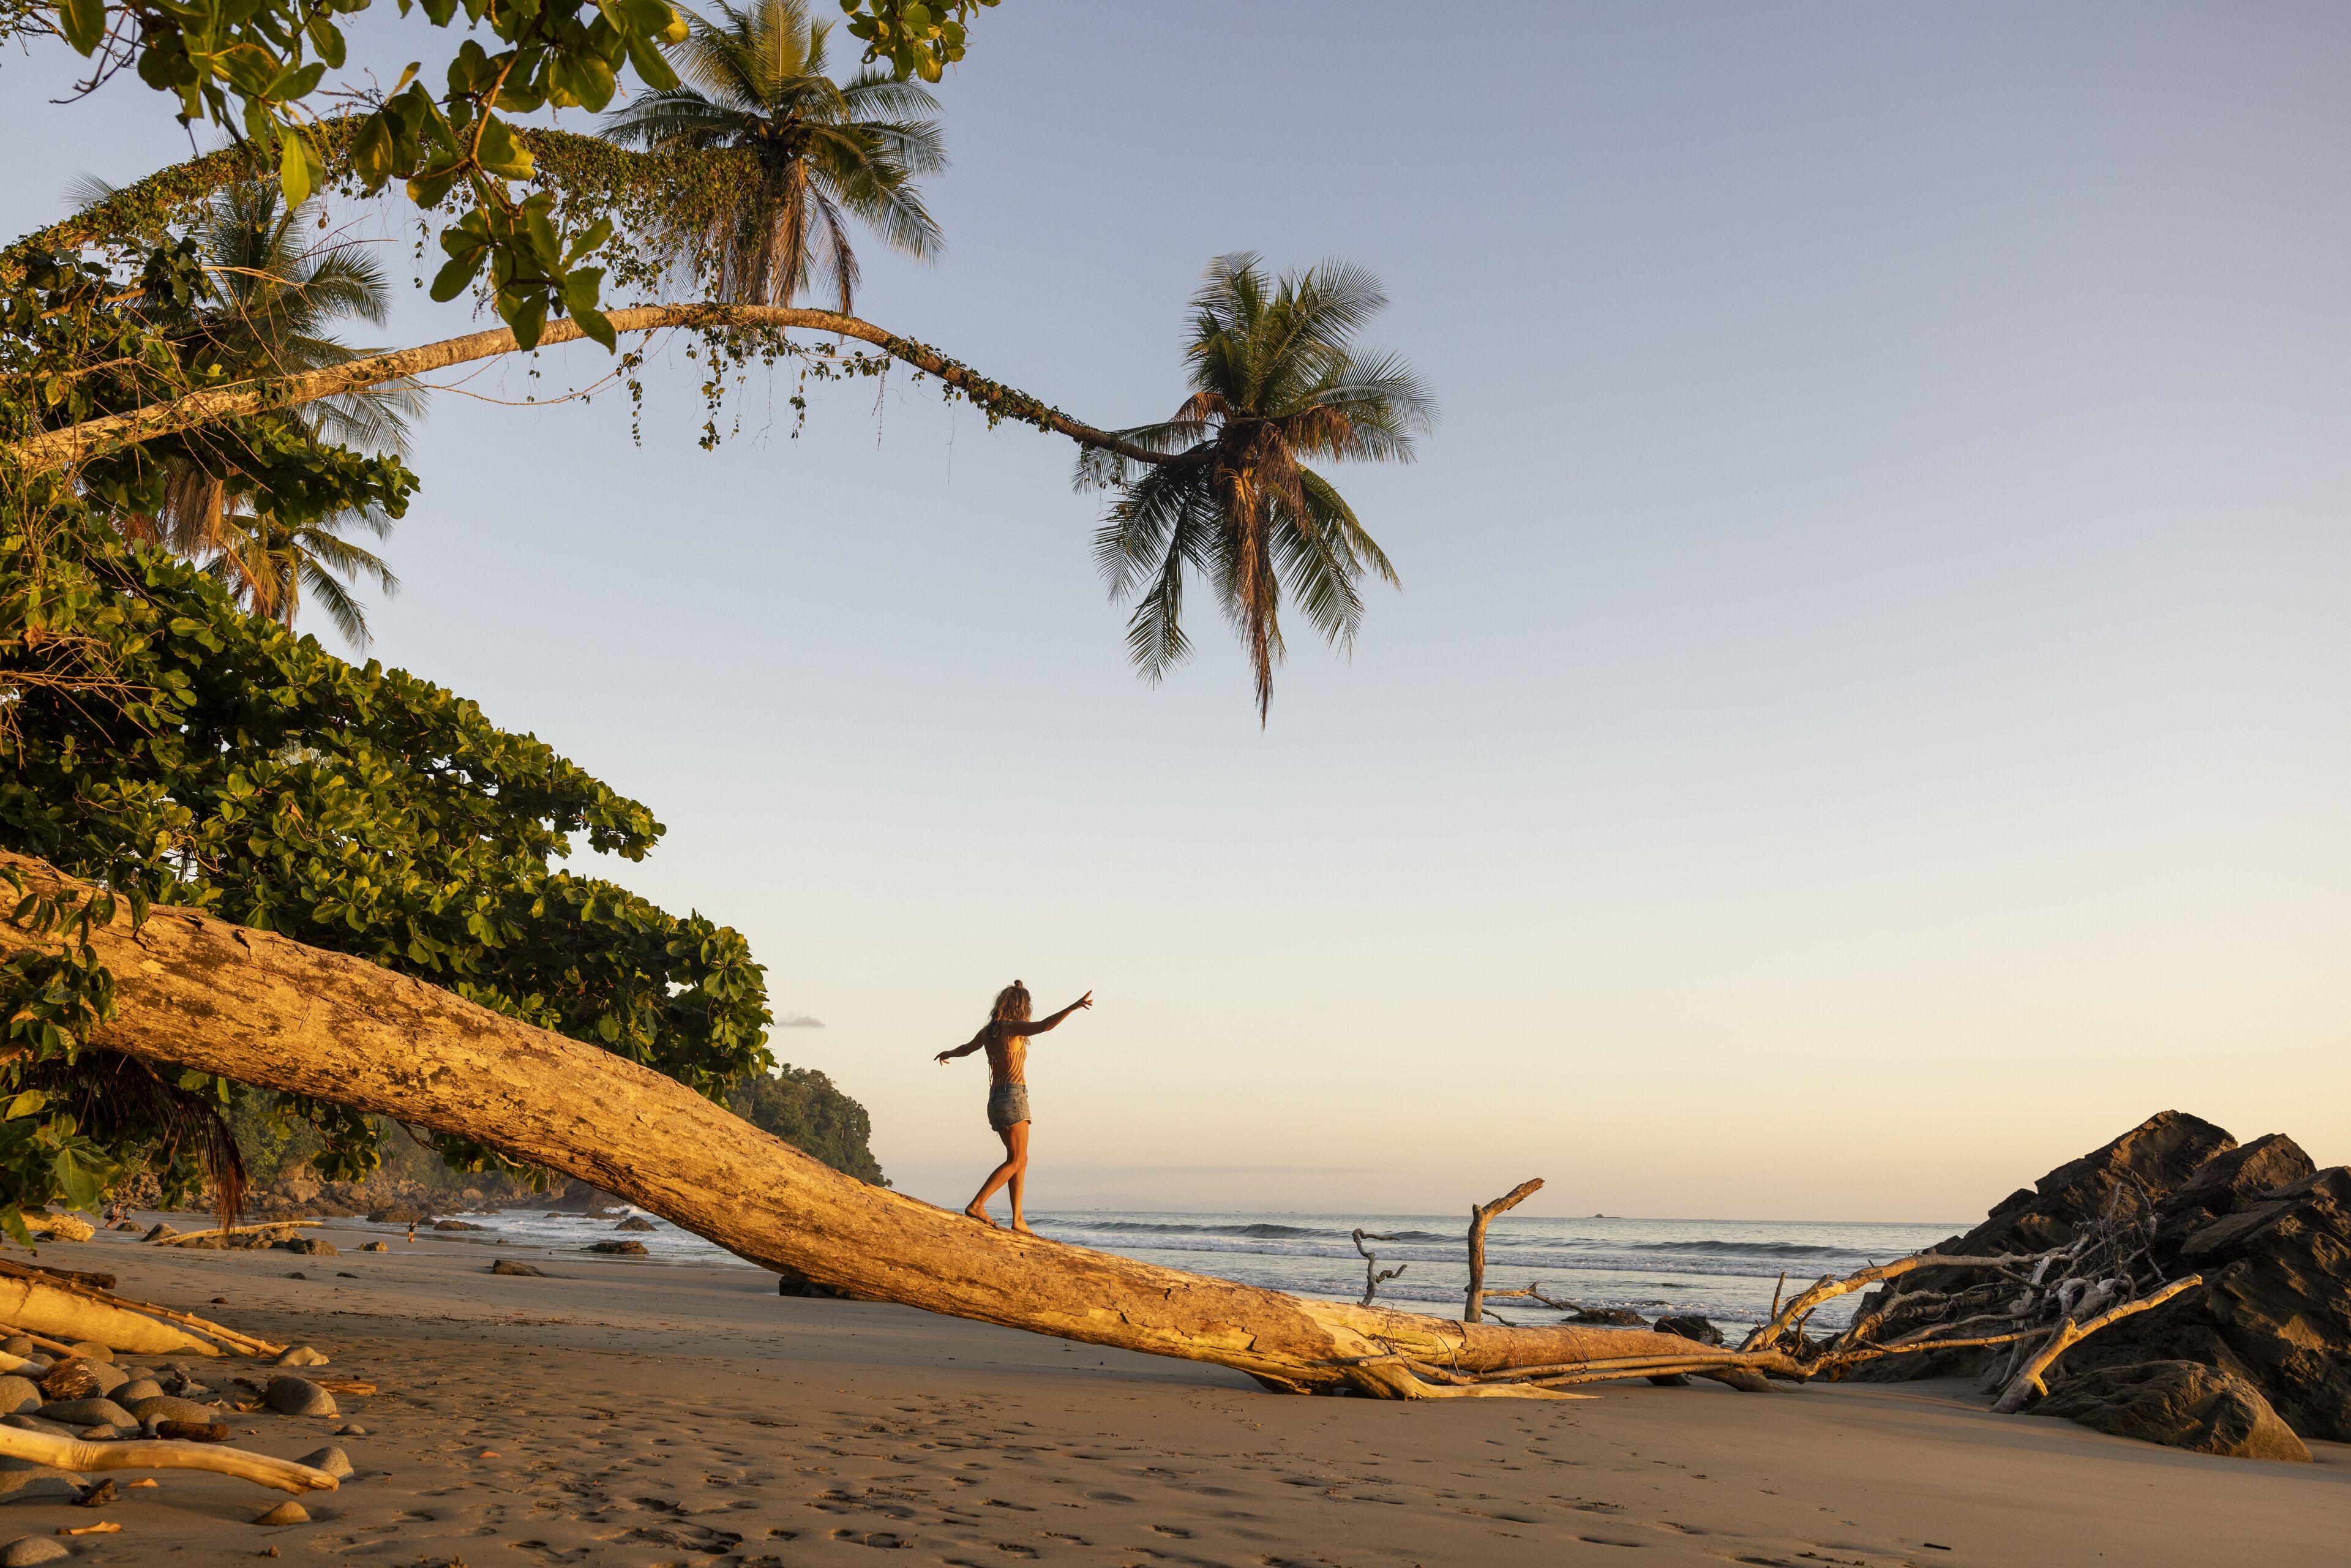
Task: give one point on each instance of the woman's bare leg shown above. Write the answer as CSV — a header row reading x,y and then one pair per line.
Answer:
x,y
1015,1160
1017,1139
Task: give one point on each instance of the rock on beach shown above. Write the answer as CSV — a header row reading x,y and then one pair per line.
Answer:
x,y
298,1396
2184,1403
99,1412
166,1408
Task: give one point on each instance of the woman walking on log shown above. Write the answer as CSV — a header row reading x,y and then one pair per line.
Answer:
x,y
1005,1038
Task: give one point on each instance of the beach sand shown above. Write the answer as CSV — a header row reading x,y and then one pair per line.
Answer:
x,y
624,1412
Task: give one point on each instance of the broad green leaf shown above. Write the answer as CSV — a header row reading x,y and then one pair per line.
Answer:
x,y
501,154
83,22
293,168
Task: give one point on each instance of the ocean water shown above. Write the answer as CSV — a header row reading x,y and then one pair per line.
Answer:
x,y
1726,1270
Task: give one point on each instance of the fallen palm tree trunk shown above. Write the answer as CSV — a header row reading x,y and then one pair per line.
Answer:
x,y
73,1454
256,1007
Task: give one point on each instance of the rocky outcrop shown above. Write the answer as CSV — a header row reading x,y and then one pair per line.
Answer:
x,y
2270,1234
2184,1403
2275,1306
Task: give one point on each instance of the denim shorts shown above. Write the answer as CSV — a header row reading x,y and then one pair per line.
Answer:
x,y
1007,1103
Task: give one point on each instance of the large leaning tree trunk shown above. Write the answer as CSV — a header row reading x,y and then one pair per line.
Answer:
x,y
254,1007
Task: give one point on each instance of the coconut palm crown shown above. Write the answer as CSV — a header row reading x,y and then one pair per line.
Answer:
x,y
827,151
276,299
1277,378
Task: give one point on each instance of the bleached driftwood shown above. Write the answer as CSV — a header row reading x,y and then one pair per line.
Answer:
x,y
1481,1215
59,1226
2027,1385
63,1312
1374,1275
72,1454
243,1344
218,1234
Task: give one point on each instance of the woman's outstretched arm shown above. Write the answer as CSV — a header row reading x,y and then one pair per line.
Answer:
x,y
966,1049
1052,1020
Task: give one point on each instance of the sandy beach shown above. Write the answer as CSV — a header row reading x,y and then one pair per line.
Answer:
x,y
624,1412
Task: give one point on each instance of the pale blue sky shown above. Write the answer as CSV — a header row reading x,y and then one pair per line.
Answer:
x,y
1869,713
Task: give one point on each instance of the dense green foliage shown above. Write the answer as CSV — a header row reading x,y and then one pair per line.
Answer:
x,y
804,1108
231,766
253,68
1277,377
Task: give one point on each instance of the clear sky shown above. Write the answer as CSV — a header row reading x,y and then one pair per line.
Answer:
x,y
1868,716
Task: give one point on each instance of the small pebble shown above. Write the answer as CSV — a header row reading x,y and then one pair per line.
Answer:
x,y
301,1355
99,1496
297,1274
286,1513
353,1430
132,1392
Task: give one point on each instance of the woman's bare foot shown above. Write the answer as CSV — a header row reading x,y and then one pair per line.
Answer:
x,y
981,1215
1022,1226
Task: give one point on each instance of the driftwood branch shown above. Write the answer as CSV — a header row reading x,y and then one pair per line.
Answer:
x,y
72,1454
222,1233
2027,1385
244,1344
1373,1281
1481,1215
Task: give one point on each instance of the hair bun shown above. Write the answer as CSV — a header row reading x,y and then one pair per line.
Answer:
x,y
1020,985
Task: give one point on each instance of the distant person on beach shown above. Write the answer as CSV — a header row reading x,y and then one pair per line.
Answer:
x,y
1005,1038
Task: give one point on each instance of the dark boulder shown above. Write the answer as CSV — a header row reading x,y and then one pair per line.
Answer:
x,y
791,1283
2270,1235
619,1249
2274,1308
2162,1154
1612,1317
2183,1404
1691,1327
636,1222
508,1266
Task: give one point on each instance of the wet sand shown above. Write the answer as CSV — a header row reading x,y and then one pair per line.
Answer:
x,y
624,1412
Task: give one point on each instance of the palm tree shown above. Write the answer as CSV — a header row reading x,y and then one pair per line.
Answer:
x,y
268,563
1277,378
826,151
275,300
